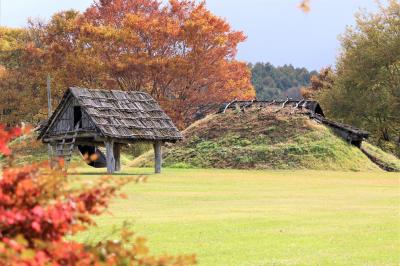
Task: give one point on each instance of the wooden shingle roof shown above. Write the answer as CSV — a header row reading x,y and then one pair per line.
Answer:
x,y
128,115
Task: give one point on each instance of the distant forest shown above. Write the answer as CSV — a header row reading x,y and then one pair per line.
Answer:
x,y
280,82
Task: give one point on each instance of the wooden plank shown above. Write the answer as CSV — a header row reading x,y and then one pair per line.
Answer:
x,y
69,136
127,141
157,156
89,142
110,156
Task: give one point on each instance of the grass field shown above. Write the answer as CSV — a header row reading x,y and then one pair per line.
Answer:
x,y
232,217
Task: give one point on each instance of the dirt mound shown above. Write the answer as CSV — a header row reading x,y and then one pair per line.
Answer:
x,y
262,139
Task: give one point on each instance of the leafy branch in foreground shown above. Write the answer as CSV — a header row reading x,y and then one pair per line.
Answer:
x,y
39,208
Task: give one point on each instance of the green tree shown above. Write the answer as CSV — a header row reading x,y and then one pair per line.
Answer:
x,y
366,90
272,82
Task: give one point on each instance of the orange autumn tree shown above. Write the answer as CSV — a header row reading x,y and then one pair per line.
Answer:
x,y
18,76
179,52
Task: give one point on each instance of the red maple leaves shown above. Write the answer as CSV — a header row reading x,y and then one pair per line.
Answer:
x,y
39,208
6,136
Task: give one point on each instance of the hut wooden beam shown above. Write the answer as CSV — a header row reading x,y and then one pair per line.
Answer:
x,y
117,156
110,156
157,156
52,148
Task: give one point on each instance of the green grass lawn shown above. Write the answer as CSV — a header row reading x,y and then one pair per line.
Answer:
x,y
232,217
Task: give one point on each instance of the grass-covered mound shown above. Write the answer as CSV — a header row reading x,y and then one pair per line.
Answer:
x,y
261,139
387,160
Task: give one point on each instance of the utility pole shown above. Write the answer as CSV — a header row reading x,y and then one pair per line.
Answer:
x,y
50,111
48,95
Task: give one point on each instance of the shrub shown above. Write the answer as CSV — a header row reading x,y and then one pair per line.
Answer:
x,y
206,145
181,165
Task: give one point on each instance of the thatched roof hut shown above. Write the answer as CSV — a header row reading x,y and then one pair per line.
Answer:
x,y
91,118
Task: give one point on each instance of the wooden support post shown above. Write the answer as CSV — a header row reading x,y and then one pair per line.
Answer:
x,y
157,156
110,156
117,156
51,155
52,150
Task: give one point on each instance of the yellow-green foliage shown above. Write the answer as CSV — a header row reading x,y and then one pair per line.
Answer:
x,y
259,139
366,87
10,38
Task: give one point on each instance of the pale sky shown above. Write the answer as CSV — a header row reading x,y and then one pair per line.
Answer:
x,y
278,32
